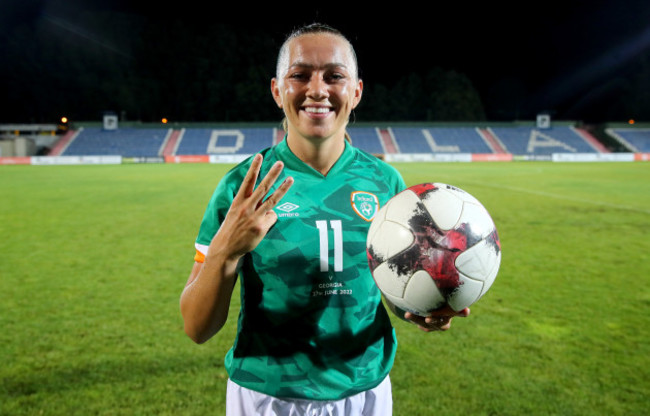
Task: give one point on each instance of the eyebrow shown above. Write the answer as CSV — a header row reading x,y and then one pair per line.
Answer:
x,y
331,65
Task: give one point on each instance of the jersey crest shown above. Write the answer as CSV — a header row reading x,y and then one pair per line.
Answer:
x,y
365,204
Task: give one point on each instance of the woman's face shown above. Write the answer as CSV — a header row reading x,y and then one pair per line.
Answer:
x,y
320,88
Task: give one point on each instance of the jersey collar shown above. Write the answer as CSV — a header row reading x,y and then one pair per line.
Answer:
x,y
293,162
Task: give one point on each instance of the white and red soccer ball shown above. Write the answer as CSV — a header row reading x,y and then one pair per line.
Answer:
x,y
433,244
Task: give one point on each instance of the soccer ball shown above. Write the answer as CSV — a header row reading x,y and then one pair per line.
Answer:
x,y
433,244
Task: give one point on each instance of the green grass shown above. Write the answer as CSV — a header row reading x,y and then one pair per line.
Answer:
x,y
93,259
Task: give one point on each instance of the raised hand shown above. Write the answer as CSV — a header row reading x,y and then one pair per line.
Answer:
x,y
251,215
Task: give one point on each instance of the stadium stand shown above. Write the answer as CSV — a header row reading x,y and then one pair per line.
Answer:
x,y
367,139
635,140
440,140
201,141
532,141
130,142
516,140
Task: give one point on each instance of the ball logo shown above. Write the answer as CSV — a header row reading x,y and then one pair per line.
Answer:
x,y
365,204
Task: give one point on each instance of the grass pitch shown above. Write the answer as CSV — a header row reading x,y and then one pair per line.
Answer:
x,y
93,260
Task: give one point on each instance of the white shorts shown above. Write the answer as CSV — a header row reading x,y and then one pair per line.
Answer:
x,y
241,401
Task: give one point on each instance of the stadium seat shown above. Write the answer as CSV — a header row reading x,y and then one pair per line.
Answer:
x,y
367,139
532,141
440,140
201,141
636,140
129,142
149,142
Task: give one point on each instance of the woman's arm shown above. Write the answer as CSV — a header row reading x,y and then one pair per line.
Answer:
x,y
206,298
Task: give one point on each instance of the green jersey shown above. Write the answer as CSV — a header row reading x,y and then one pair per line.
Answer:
x,y
311,323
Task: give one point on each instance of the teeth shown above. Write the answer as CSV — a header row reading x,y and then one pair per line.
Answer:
x,y
320,110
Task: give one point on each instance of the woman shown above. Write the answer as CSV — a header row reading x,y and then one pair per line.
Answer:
x,y
313,336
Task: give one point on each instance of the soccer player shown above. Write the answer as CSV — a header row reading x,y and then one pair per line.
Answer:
x,y
313,336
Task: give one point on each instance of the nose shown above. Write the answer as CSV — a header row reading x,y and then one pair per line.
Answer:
x,y
317,87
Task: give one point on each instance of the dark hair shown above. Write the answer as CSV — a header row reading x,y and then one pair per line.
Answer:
x,y
313,28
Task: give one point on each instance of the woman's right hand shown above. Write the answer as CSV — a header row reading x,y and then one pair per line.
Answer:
x,y
251,215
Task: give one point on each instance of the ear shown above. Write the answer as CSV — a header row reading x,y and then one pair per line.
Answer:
x,y
358,92
275,91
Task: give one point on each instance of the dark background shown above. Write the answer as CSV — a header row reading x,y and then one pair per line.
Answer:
x,y
197,61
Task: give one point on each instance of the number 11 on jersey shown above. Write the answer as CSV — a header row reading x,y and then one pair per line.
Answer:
x,y
337,229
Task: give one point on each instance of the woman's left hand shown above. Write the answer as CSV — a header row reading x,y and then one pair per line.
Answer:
x,y
438,320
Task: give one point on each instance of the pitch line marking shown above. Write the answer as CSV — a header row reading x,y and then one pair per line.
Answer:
x,y
567,198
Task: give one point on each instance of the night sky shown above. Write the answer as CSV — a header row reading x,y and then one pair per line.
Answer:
x,y
556,54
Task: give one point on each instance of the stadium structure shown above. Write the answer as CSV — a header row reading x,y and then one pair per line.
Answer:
x,y
110,143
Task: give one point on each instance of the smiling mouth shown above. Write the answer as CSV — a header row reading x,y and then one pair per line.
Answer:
x,y
317,110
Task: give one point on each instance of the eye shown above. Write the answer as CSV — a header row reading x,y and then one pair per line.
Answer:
x,y
335,76
298,76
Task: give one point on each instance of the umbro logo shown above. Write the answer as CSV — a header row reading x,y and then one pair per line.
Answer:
x,y
287,209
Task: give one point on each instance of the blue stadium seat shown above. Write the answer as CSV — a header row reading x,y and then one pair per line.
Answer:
x,y
149,142
532,141
367,139
440,140
638,140
129,142
201,141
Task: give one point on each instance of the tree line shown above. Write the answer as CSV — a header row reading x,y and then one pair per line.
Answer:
x,y
144,70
